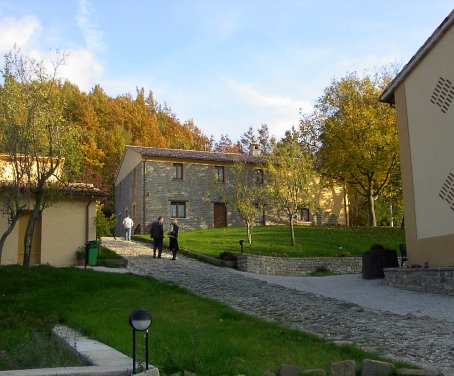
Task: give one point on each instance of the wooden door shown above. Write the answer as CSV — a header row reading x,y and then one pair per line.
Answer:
x,y
220,215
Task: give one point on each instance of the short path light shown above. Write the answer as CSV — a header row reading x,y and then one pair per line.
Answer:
x,y
139,319
241,244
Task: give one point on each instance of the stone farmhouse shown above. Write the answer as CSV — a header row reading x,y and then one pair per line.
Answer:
x,y
423,93
174,183
62,228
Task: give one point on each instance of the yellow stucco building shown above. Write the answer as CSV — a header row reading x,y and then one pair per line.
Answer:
x,y
62,228
423,93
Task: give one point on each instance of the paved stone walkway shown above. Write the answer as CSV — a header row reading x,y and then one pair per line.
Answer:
x,y
426,341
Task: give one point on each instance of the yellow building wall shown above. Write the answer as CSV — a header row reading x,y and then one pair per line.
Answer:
x,y
427,158
67,225
328,200
331,200
65,229
9,254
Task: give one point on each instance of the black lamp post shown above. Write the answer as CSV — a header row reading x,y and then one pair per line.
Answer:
x,y
241,244
139,319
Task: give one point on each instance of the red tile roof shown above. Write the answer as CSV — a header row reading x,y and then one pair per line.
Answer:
x,y
76,189
195,155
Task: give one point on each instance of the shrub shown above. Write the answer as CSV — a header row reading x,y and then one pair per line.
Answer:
x,y
322,270
345,254
104,225
227,256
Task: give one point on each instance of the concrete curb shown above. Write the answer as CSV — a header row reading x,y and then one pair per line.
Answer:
x,y
104,359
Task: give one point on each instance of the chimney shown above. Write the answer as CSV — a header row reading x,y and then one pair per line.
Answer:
x,y
254,149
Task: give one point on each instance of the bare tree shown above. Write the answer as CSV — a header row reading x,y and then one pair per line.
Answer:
x,y
291,178
32,125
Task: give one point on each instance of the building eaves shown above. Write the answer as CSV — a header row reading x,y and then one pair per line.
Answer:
x,y
82,189
71,189
207,156
388,95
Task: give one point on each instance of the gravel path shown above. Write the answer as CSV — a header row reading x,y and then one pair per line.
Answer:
x,y
372,294
395,323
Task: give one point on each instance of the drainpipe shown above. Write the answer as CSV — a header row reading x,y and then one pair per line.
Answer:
x,y
142,228
87,219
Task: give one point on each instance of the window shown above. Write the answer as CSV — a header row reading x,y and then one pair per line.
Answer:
x,y
178,209
303,214
178,171
133,210
259,176
220,173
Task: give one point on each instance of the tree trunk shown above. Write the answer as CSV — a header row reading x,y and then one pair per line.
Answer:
x,y
372,219
292,230
391,216
249,233
6,234
28,240
346,211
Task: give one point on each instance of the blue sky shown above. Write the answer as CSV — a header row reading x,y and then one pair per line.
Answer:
x,y
227,65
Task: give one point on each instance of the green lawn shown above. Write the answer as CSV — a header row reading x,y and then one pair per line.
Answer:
x,y
188,332
311,241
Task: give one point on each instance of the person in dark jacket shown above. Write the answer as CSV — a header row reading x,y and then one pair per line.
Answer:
x,y
173,238
157,234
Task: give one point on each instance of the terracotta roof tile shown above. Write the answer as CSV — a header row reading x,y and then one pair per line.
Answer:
x,y
195,155
82,189
77,189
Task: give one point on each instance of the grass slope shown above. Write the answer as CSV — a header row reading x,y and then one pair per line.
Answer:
x,y
311,241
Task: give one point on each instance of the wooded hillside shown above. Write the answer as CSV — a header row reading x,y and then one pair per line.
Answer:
x,y
104,125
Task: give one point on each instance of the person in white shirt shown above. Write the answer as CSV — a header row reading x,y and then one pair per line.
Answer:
x,y
128,225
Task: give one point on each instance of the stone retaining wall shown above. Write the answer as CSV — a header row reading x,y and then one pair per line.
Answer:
x,y
299,266
433,280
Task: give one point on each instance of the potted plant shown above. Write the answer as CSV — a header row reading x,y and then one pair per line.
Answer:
x,y
80,256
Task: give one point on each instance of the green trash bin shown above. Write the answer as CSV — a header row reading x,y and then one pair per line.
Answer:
x,y
92,252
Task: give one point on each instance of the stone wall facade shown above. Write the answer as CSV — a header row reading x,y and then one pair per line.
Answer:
x,y
129,199
432,280
150,188
297,266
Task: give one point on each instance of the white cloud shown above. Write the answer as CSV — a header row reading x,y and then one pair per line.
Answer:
x,y
19,32
86,23
257,98
82,68
278,128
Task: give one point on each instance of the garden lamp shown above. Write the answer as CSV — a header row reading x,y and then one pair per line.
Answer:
x,y
241,244
139,319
